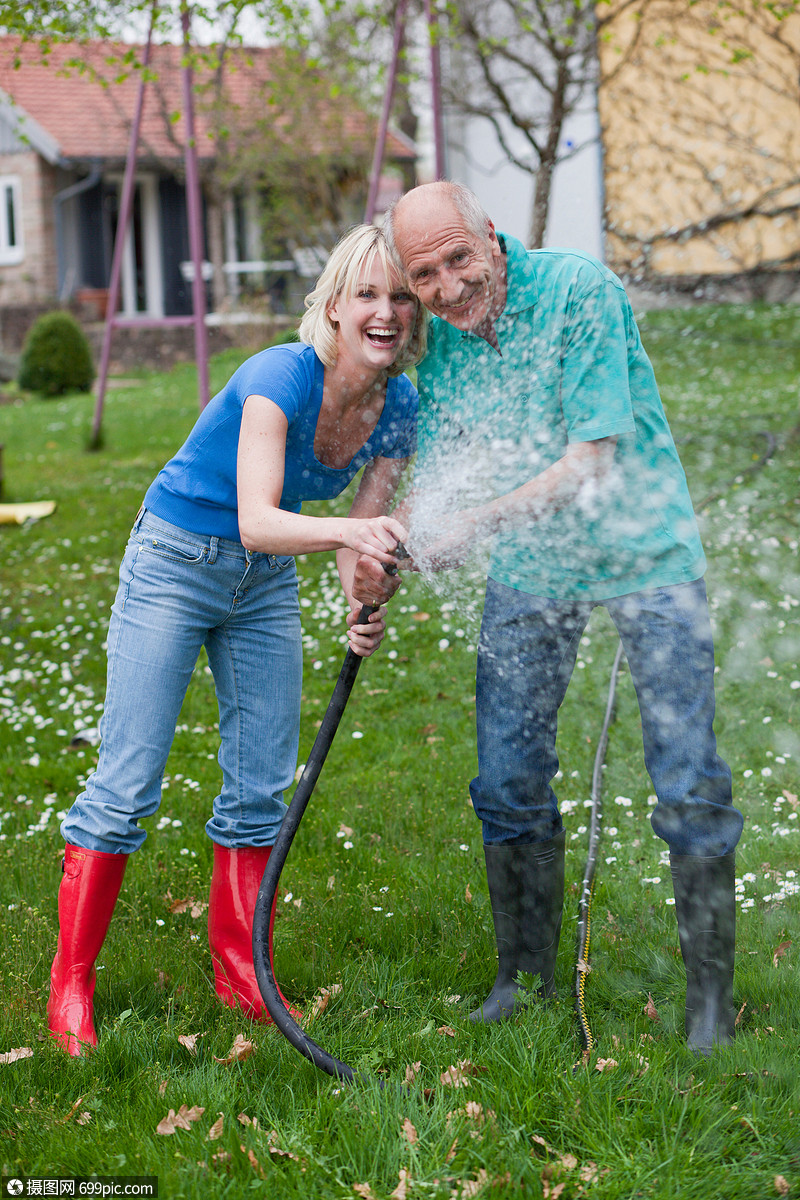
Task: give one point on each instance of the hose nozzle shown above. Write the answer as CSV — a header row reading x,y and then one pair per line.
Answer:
x,y
399,552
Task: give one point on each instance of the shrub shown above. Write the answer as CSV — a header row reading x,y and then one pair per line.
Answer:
x,y
56,357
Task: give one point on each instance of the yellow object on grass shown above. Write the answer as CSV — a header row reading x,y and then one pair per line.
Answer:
x,y
18,514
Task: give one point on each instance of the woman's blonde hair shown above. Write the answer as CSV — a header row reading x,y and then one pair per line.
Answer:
x,y
351,259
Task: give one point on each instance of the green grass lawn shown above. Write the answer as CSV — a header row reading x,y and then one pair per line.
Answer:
x,y
384,893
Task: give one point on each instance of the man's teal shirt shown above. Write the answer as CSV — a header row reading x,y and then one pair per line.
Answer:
x,y
572,368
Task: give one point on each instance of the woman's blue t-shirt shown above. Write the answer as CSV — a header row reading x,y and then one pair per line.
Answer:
x,y
196,490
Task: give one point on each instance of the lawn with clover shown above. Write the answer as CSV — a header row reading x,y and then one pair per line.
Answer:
x,y
384,933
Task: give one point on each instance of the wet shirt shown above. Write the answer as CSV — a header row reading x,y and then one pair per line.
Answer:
x,y
572,368
196,490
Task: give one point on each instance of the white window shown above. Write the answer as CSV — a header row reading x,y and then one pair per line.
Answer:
x,y
11,250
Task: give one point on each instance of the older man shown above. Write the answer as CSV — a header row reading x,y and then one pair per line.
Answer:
x,y
535,366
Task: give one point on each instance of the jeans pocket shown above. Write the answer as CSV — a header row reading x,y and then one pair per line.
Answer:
x,y
172,548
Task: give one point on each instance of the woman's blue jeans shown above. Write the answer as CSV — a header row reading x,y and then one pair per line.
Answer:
x,y
527,653
180,591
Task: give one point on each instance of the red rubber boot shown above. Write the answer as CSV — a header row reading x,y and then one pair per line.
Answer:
x,y
231,904
86,901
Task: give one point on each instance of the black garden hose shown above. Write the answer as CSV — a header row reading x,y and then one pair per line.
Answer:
x,y
269,883
582,967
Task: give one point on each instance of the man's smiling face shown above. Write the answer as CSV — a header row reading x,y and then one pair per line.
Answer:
x,y
456,273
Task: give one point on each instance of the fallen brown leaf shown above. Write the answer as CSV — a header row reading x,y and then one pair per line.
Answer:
x,y
605,1064
189,1040
215,1131
239,1051
195,907
409,1132
84,1118
650,1009
739,1015
401,1191
12,1056
466,1188
243,1119
412,1070
458,1076
322,999
254,1163
780,952
781,1185
67,1116
364,1190
476,1112
468,895
452,1077
446,1031
182,1119
274,1148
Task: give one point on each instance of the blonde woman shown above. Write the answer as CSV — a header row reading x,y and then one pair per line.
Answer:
x,y
209,563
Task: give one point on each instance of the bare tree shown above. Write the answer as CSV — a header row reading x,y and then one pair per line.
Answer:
x,y
526,66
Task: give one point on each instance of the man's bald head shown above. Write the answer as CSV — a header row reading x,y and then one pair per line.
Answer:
x,y
428,201
449,251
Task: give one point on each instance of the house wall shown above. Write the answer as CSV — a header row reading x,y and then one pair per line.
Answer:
x,y
34,280
698,106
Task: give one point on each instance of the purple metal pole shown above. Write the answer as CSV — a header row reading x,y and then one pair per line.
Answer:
x,y
388,99
194,215
123,217
436,92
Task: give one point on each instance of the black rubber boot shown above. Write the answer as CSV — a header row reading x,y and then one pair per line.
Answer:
x,y
705,906
526,888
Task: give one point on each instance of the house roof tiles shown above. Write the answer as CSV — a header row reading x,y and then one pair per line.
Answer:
x,y
83,96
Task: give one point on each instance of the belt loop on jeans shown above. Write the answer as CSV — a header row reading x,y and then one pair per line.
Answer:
x,y
138,519
212,549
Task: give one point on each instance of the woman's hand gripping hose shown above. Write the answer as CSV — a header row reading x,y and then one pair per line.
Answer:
x,y
269,884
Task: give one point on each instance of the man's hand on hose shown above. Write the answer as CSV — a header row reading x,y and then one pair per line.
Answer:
x,y
371,584
453,545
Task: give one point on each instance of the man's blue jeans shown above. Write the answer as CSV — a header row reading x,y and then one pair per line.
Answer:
x,y
527,653
178,592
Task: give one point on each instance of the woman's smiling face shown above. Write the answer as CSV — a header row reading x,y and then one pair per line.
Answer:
x,y
376,322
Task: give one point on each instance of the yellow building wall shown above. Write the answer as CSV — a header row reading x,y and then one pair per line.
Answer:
x,y
700,112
